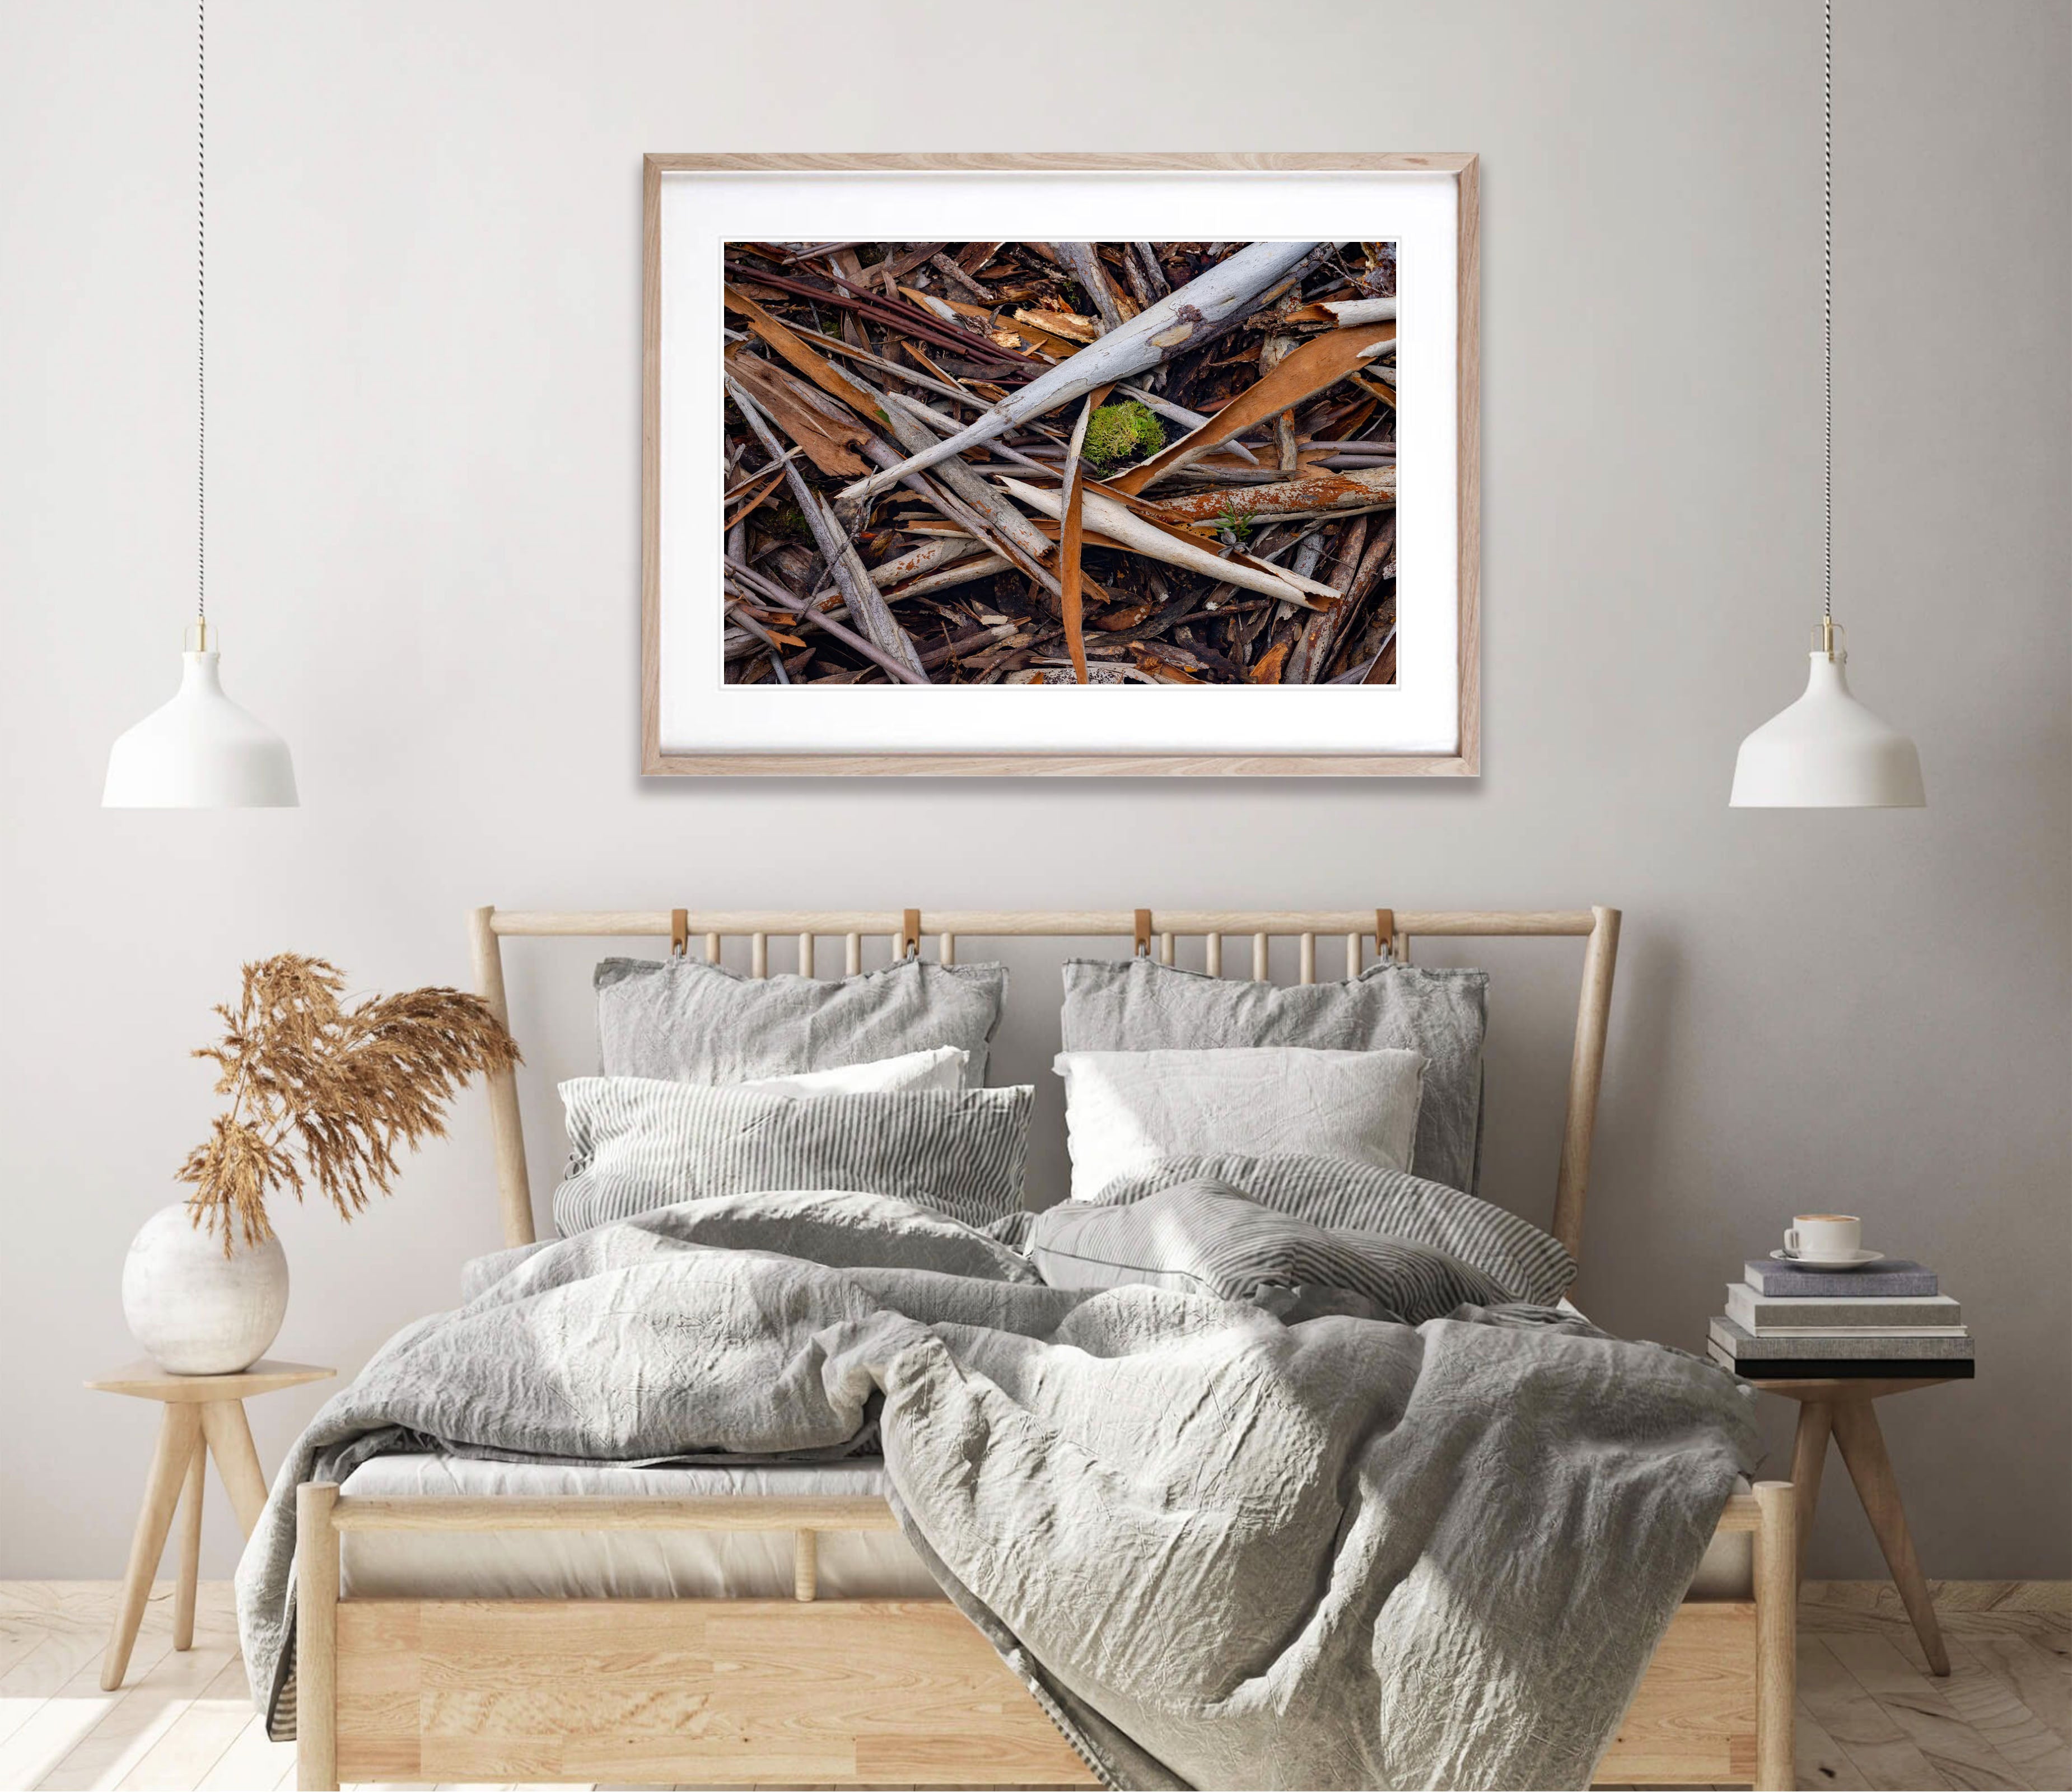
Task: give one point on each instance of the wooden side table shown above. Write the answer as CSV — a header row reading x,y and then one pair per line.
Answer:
x,y
204,1416
1845,1409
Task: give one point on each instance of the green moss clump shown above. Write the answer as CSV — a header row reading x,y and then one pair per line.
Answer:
x,y
1121,432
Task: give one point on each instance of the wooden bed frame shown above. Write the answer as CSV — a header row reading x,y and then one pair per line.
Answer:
x,y
882,1693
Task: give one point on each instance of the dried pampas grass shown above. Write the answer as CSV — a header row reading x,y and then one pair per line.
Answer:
x,y
323,1092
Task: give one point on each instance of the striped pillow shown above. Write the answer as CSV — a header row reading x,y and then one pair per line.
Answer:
x,y
636,1144
1206,1237
1524,1260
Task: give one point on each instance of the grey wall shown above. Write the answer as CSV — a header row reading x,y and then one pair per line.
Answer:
x,y
424,474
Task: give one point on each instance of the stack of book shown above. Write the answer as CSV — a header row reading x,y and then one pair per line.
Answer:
x,y
1889,1319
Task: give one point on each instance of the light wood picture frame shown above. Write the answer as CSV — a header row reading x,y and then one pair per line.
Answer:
x,y
694,722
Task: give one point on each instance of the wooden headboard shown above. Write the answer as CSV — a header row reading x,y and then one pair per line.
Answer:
x,y
1392,929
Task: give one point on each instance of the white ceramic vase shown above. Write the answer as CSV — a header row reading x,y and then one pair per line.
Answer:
x,y
195,1311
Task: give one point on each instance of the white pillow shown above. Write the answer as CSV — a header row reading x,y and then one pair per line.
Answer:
x,y
1125,1109
943,1068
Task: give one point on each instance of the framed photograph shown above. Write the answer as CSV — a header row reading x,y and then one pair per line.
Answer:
x,y
1179,476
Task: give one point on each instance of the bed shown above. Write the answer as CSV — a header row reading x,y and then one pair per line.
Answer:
x,y
460,1620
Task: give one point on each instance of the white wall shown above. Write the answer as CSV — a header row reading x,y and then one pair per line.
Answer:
x,y
424,477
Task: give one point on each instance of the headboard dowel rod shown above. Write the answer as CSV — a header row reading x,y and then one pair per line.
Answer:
x,y
1062,923
1586,1071
1353,965
1215,947
514,1189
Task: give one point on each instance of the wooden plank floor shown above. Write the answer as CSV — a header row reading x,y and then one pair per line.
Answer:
x,y
1870,1713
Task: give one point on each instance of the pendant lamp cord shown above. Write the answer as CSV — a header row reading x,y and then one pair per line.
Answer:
x,y
201,314
1827,308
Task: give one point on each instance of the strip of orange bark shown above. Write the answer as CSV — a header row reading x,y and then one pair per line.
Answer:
x,y
1365,488
1318,365
827,442
822,372
755,498
1071,602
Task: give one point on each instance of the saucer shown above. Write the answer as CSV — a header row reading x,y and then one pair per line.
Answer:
x,y
1857,1261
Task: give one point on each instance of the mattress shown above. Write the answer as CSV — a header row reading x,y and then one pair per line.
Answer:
x,y
697,1565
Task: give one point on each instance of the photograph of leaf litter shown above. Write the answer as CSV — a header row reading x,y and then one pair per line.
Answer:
x,y
1052,463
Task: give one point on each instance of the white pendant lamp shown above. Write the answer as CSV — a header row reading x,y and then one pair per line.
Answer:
x,y
200,750
1827,751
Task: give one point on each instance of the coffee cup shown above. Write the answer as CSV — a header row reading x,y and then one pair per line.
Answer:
x,y
1825,1237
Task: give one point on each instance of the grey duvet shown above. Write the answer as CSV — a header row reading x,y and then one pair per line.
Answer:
x,y
1222,1551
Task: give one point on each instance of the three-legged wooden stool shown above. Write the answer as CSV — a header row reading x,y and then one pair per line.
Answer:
x,y
204,1416
1844,1409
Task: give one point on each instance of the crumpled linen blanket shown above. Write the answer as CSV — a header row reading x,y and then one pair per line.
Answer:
x,y
1222,1551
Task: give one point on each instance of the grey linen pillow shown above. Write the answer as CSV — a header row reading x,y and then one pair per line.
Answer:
x,y
1525,1262
685,1021
636,1143
1205,1236
1138,1006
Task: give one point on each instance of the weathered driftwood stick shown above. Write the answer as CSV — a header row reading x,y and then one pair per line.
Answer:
x,y
972,641
746,577
1280,287
914,437
926,558
748,481
1084,260
1057,674
972,522
956,277
844,564
1370,673
1272,353
1319,494
1352,311
1345,312
1144,267
928,302
1113,521
937,421
834,345
1320,633
738,611
810,250
961,571
1148,514
1375,560
1175,323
